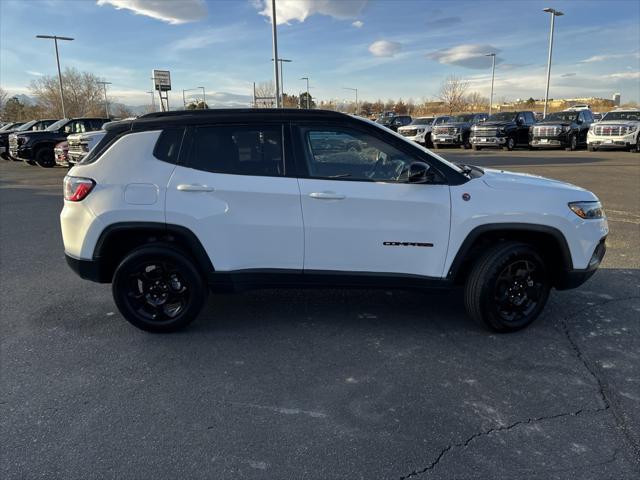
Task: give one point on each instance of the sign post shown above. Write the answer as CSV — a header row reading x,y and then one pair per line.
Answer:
x,y
162,84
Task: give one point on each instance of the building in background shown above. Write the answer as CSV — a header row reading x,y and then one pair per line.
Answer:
x,y
616,99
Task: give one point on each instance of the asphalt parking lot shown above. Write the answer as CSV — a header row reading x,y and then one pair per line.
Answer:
x,y
319,384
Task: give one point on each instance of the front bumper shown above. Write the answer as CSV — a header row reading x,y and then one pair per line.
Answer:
x,y
447,139
21,153
575,278
488,141
624,141
550,142
418,138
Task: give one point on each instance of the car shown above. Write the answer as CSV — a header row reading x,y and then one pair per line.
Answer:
x,y
173,204
61,154
580,106
80,144
419,130
34,125
6,129
566,130
457,130
37,147
507,130
618,129
393,122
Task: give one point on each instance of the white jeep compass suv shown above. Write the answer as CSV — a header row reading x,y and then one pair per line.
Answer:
x,y
172,204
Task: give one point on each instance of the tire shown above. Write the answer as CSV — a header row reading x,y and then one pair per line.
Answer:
x,y
436,146
147,278
427,140
511,144
44,158
501,294
573,144
637,147
591,149
476,148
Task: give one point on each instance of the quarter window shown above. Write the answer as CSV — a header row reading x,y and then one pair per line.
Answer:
x,y
353,155
238,150
168,145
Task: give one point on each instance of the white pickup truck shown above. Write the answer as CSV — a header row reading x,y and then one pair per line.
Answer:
x,y
618,129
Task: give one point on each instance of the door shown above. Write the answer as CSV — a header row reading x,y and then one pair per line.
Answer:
x,y
361,214
522,129
233,193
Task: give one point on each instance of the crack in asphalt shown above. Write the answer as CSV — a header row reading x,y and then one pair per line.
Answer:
x,y
490,431
602,390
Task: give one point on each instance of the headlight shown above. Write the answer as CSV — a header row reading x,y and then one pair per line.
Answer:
x,y
501,130
631,129
420,130
587,210
474,128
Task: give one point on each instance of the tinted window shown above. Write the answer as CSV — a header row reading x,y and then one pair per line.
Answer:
x,y
529,118
441,120
76,126
240,150
337,153
168,145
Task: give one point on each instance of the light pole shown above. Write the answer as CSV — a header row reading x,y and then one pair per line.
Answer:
x,y
308,101
55,39
355,90
204,99
281,60
493,74
274,31
554,14
106,102
153,100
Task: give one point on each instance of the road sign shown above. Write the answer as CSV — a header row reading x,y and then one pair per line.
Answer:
x,y
161,80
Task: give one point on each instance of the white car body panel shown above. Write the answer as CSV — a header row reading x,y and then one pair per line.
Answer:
x,y
349,233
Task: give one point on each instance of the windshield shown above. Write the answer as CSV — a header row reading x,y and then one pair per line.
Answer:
x,y
26,126
56,126
463,118
563,116
384,120
9,126
502,117
633,116
422,121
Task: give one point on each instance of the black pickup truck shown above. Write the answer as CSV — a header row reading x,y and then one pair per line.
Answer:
x,y
25,127
505,129
36,147
566,130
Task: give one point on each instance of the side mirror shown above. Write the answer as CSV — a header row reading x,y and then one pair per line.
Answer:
x,y
579,122
520,121
419,172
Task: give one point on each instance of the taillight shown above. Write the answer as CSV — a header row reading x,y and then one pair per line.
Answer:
x,y
77,188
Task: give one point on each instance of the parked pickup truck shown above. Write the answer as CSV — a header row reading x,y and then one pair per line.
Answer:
x,y
37,147
80,144
505,129
457,130
566,130
619,128
33,125
420,129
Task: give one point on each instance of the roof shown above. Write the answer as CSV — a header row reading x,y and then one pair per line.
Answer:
x,y
202,116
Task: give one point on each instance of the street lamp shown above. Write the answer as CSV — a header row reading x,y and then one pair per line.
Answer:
x,y
493,73
204,99
55,41
153,100
355,90
554,14
274,31
307,79
281,60
106,103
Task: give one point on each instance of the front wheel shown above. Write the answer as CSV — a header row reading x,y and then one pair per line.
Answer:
x,y
158,289
511,143
476,148
45,158
573,144
507,288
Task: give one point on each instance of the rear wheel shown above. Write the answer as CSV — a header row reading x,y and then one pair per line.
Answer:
x,y
573,144
511,143
507,288
591,148
158,289
44,158
476,148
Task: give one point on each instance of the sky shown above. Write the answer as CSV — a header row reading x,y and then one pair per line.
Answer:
x,y
384,48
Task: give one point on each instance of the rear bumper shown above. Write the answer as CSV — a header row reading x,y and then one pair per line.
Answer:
x,y
87,269
574,278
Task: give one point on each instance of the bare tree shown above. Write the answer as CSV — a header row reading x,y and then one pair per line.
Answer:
x,y
452,93
83,95
476,102
3,98
265,95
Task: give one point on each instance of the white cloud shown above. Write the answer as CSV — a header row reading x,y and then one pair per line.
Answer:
x,y
625,75
171,11
358,24
468,55
385,48
288,10
34,73
207,37
610,56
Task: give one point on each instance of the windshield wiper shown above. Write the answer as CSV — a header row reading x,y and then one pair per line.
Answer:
x,y
341,175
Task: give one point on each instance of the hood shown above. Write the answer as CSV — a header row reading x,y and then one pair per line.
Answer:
x,y
86,135
41,135
554,122
496,123
410,127
626,123
457,124
504,180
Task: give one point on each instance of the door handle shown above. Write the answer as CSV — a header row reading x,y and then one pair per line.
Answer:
x,y
194,188
327,196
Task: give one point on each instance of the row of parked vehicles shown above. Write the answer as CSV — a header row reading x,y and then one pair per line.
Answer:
x,y
49,142
569,129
